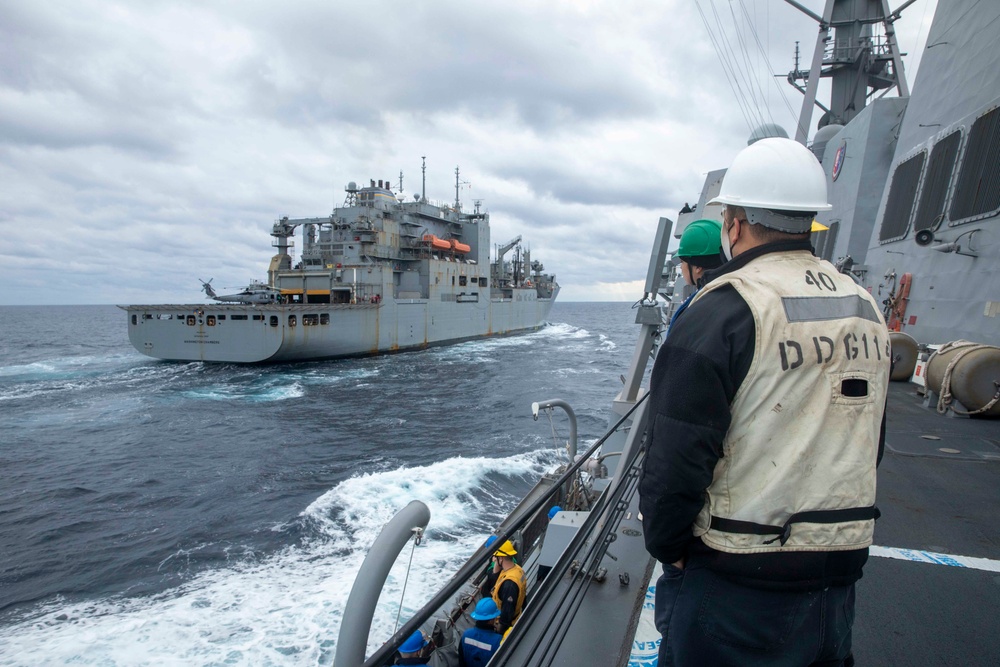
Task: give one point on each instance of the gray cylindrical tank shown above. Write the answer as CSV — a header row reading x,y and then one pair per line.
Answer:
x,y
904,352
973,378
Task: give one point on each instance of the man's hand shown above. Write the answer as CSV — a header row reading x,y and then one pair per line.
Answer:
x,y
679,564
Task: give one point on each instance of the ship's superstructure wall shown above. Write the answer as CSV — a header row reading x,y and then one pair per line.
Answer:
x,y
915,188
937,221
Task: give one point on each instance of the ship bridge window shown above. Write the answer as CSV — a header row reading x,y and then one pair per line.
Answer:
x,y
135,320
324,318
258,318
190,320
239,317
930,208
977,190
274,320
462,280
147,316
902,191
482,282
292,320
210,320
309,320
222,318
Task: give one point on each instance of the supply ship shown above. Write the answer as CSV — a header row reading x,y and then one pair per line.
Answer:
x,y
916,220
379,274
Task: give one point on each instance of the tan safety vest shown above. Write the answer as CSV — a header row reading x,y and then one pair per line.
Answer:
x,y
798,465
515,574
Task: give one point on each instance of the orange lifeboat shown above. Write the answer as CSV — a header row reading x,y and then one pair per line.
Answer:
x,y
460,247
435,242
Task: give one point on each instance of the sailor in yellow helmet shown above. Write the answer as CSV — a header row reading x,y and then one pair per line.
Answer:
x,y
508,591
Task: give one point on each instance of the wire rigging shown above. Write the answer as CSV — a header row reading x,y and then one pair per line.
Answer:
x,y
767,61
725,70
756,92
751,95
737,73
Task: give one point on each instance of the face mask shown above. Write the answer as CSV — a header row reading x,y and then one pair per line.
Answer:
x,y
726,249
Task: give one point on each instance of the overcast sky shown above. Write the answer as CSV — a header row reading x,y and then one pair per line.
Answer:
x,y
144,145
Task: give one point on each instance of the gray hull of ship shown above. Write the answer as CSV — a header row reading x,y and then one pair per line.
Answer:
x,y
164,332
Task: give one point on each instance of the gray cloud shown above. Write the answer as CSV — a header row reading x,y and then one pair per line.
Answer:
x,y
143,146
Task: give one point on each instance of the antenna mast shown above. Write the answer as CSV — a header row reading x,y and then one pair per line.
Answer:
x,y
857,64
423,177
458,183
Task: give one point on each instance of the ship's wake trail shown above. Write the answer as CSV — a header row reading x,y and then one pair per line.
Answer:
x,y
286,608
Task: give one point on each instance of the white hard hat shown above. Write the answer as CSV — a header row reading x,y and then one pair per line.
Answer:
x,y
775,173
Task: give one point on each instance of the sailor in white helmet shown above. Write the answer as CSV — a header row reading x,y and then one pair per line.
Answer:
x,y
767,407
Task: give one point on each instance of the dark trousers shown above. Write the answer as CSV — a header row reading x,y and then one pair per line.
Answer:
x,y
708,620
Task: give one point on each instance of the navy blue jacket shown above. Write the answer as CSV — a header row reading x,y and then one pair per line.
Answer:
x,y
477,647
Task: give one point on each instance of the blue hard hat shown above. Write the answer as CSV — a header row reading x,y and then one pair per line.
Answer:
x,y
414,643
555,510
490,540
486,610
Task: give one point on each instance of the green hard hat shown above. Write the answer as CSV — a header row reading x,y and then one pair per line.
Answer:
x,y
701,238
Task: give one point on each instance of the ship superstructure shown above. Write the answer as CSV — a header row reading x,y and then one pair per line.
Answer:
x,y
379,274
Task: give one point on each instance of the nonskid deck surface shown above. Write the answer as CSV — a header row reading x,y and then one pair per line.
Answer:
x,y
931,590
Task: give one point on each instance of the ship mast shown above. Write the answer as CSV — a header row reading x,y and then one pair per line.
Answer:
x,y
857,64
458,184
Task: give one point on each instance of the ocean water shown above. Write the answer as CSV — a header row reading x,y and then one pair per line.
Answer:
x,y
182,513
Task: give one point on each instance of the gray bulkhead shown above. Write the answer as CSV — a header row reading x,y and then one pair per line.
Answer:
x,y
955,196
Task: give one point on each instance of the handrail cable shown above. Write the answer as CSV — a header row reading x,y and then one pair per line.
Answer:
x,y
582,577
471,566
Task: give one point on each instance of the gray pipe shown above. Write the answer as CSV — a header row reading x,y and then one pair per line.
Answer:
x,y
559,403
360,609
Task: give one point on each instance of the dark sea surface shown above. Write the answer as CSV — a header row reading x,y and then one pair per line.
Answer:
x,y
183,513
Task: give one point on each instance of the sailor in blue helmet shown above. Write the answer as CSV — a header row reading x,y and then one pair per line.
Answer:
x,y
411,651
480,643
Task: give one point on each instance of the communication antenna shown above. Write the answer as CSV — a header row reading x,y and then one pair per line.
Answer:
x,y
423,174
458,184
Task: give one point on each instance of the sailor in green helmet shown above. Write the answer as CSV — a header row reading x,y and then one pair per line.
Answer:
x,y
700,250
